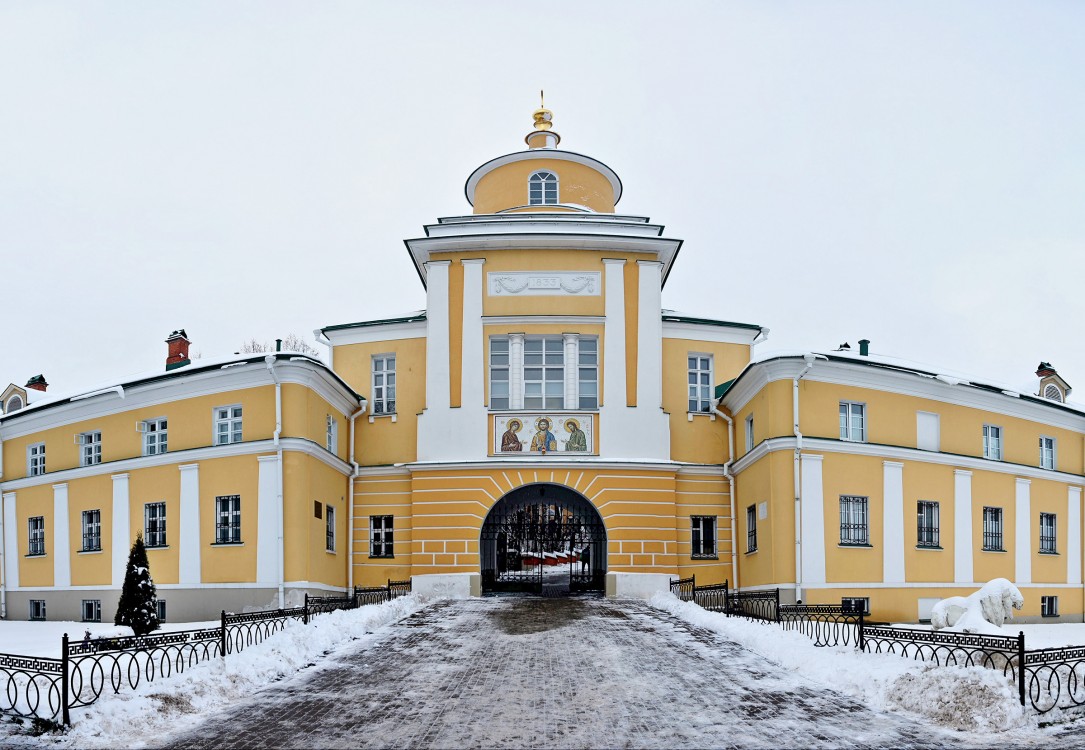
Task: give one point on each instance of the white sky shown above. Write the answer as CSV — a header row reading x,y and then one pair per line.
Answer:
x,y
909,172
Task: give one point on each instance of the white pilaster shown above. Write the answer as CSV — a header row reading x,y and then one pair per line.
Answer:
x,y
649,336
62,547
617,427
572,369
436,426
516,371
813,521
122,537
267,520
893,522
1073,535
962,526
11,543
473,395
188,533
1023,538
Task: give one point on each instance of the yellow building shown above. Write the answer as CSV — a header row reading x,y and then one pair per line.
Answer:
x,y
543,425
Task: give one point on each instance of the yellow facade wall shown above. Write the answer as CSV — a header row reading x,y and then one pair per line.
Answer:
x,y
155,484
30,502
237,475
506,186
87,494
307,481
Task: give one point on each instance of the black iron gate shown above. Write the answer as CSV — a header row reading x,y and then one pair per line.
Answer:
x,y
543,539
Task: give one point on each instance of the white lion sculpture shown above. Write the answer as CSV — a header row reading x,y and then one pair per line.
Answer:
x,y
992,605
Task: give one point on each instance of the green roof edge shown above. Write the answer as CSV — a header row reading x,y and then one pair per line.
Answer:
x,y
711,322
383,321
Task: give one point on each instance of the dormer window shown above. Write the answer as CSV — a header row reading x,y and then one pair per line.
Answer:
x,y
1052,392
14,404
542,189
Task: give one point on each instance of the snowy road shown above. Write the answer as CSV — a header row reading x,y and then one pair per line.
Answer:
x,y
529,672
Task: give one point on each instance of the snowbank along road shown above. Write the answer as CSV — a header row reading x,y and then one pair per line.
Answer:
x,y
529,672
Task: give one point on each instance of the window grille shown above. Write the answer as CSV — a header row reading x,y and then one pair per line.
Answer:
x,y
854,526
704,536
92,530
751,528
154,524
1047,533
380,534
992,529
36,526
228,519
927,524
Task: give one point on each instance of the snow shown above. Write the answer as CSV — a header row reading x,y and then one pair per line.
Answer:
x,y
972,699
134,718
983,611
42,638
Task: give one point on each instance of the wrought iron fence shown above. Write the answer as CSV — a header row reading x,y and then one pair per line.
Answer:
x,y
1055,678
378,594
757,605
684,588
44,688
712,597
824,624
33,686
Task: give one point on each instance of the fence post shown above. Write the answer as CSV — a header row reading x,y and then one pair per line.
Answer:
x,y
726,598
388,591
222,635
305,615
862,639
777,604
65,717
1021,665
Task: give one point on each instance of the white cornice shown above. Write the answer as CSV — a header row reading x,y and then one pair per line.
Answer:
x,y
896,453
183,459
898,381
713,333
378,332
544,223
543,463
557,218
171,390
517,320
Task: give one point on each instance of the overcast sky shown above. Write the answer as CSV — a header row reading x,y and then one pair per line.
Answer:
x,y
912,173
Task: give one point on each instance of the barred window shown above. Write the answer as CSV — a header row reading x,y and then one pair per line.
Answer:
x,y
154,524
1047,533
228,519
36,529
992,529
1049,606
854,521
855,604
927,524
751,528
329,529
37,609
380,535
92,530
92,610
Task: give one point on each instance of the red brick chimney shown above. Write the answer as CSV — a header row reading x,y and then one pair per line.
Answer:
x,y
1044,370
37,383
178,352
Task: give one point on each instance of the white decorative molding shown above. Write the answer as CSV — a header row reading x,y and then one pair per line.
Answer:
x,y
812,522
121,529
542,283
189,567
473,370
1023,536
1073,535
268,510
893,522
962,526
11,543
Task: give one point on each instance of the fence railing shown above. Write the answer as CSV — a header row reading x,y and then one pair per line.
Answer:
x,y
44,688
684,588
824,624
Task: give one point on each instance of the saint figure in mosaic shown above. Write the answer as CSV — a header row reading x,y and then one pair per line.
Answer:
x,y
510,440
577,441
544,440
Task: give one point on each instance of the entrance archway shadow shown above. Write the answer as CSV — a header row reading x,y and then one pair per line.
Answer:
x,y
543,539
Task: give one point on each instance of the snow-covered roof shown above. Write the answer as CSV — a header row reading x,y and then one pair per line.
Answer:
x,y
38,400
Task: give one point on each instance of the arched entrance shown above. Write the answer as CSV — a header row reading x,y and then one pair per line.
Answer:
x,y
543,539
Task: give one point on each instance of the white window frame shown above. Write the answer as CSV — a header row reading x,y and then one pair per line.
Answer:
x,y
228,507
91,610
155,436
37,609
749,433
230,416
1048,452
35,459
155,537
1049,544
848,430
90,447
329,527
704,531
577,389
331,434
549,190
700,394
382,536
92,530
992,442
384,392
35,528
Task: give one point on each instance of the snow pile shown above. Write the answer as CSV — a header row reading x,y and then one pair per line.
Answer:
x,y
964,698
983,611
133,718
42,638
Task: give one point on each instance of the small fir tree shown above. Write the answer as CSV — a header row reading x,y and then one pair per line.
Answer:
x,y
138,607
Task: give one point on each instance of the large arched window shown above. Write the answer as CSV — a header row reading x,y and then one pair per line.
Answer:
x,y
14,404
542,189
